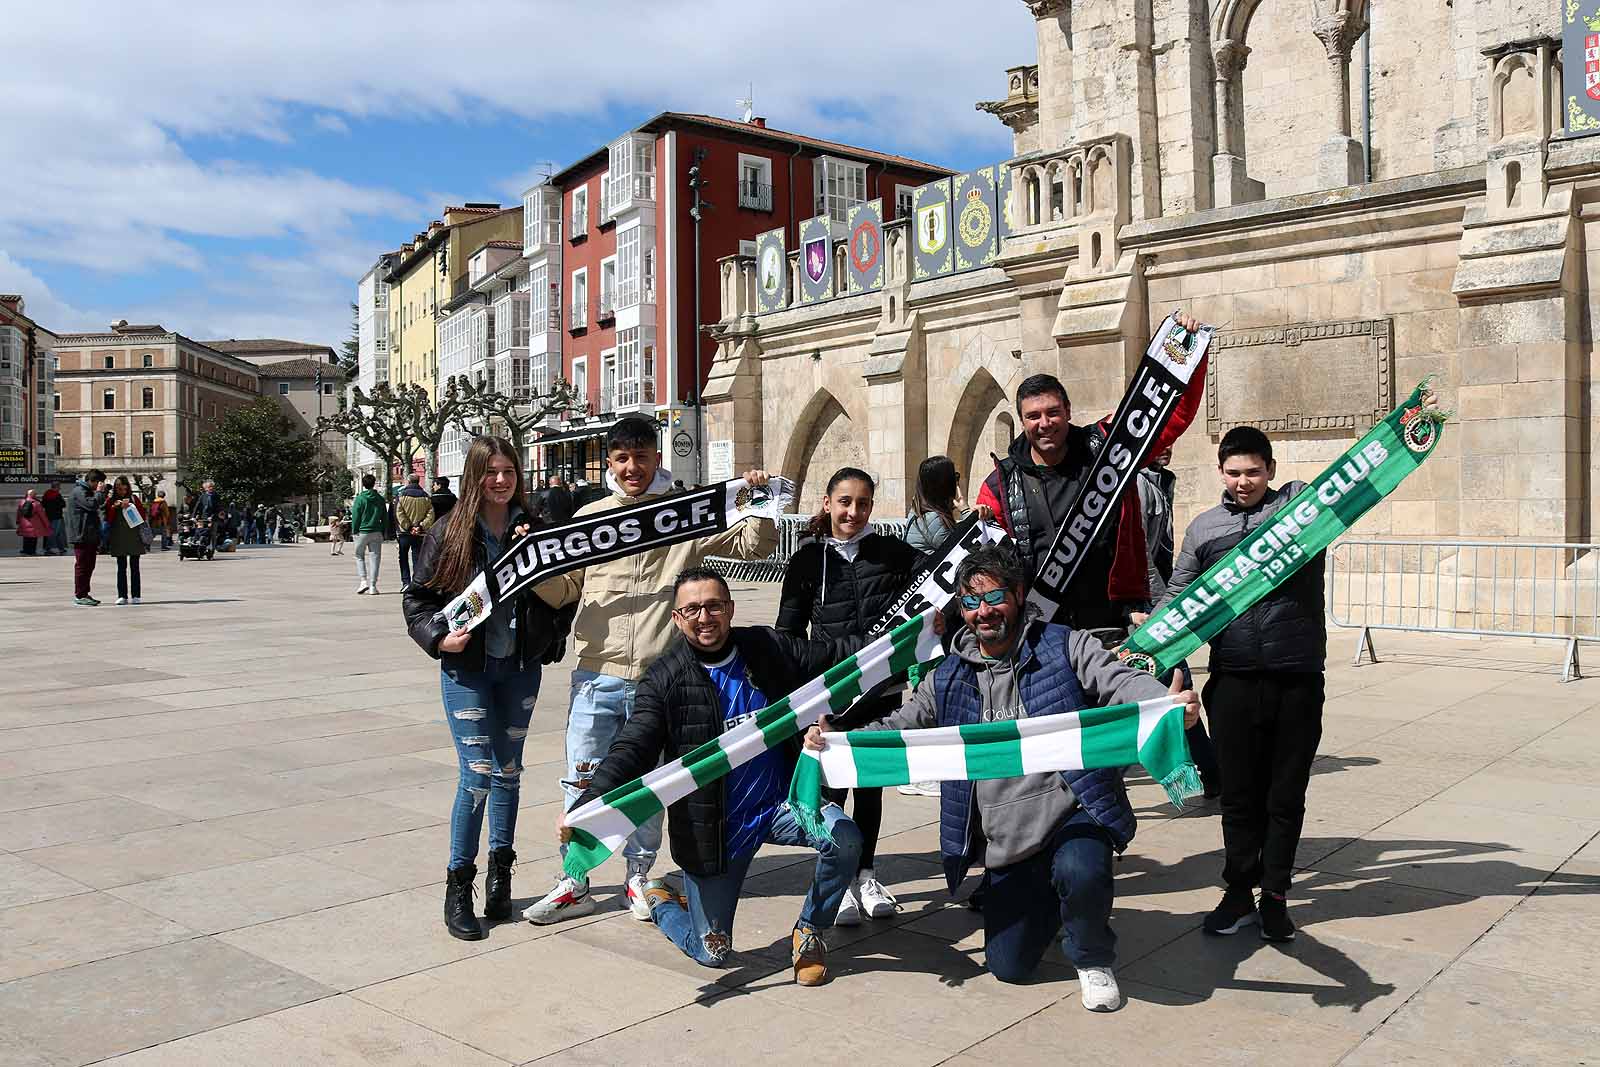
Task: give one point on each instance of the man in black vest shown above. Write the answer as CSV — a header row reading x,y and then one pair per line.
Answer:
x,y
1045,839
1033,487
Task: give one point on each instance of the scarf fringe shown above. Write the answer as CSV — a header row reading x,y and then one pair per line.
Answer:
x,y
1183,781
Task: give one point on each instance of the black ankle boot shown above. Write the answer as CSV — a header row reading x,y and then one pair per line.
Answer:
x,y
458,917
497,884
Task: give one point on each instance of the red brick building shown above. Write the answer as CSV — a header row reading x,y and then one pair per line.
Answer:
x,y
610,248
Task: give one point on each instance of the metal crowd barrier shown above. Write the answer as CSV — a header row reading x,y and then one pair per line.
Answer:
x,y
1548,591
791,530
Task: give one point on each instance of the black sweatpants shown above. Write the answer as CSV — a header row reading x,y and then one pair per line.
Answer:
x,y
1266,726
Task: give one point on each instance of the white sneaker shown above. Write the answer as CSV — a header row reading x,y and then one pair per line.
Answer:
x,y
138,600
1097,988
121,600
849,909
360,589
374,589
876,901
918,789
568,900
637,904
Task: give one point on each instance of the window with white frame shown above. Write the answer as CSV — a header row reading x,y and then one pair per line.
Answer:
x,y
149,360
327,388
608,281
755,182
108,443
111,362
635,367
628,267
147,398
580,212
633,169
580,378
839,185
147,443
108,400
283,388
580,298
608,380
605,199
539,300
905,199
56,442
511,322
58,402
530,219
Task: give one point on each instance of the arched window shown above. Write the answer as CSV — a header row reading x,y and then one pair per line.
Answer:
x,y
147,443
147,397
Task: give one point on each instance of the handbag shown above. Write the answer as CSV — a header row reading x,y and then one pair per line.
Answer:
x,y
146,534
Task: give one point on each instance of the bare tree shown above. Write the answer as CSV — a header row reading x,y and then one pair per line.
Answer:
x,y
519,417
380,420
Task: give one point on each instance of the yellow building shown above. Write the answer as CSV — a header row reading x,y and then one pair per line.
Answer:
x,y
426,274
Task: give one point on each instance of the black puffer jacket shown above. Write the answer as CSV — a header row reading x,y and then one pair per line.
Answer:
x,y
541,630
1285,630
830,598
676,709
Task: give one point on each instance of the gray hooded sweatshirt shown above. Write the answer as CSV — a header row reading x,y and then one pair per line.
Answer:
x,y
1017,816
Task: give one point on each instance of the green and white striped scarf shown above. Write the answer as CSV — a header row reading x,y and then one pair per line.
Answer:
x,y
600,826
1149,733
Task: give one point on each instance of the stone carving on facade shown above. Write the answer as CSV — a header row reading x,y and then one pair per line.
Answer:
x,y
1302,378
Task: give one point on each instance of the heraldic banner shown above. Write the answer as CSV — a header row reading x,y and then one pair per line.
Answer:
x,y
772,272
816,260
866,247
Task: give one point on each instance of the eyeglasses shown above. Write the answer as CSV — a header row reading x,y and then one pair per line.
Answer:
x,y
711,609
994,598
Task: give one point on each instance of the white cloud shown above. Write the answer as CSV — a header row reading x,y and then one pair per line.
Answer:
x,y
111,179
43,306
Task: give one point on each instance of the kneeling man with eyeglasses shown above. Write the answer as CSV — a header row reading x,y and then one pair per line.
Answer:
x,y
711,679
1045,839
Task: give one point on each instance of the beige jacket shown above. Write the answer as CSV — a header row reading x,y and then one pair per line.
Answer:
x,y
412,511
625,606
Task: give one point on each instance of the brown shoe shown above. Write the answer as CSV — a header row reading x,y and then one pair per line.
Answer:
x,y
810,957
656,892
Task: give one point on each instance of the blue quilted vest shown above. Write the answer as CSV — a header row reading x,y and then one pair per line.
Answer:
x,y
1049,686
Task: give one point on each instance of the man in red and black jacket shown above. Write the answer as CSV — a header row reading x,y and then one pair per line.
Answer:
x,y
1034,485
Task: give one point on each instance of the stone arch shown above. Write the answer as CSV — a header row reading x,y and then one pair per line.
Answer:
x,y
832,424
1514,98
982,406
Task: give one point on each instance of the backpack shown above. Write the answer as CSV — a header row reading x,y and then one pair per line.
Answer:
x,y
27,509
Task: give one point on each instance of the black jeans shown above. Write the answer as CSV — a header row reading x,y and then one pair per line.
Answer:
x,y
409,544
127,565
1267,726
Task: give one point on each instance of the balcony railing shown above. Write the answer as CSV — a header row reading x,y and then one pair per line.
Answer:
x,y
628,190
757,196
608,305
579,317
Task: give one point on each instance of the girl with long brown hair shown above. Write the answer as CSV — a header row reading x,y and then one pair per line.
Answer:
x,y
489,676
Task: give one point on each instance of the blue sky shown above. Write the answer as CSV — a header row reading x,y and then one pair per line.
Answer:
x,y
230,170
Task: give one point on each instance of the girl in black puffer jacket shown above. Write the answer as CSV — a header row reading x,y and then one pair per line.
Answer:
x,y
836,586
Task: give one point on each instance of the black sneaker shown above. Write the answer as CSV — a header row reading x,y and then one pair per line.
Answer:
x,y
1237,910
1275,922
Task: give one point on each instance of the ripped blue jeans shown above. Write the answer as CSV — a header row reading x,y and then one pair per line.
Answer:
x,y
488,712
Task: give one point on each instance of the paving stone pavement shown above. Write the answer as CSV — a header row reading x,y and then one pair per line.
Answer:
x,y
222,840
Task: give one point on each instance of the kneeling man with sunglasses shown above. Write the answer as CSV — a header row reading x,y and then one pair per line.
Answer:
x,y
1045,839
712,678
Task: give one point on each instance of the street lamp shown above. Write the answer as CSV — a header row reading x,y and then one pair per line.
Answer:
x,y
697,209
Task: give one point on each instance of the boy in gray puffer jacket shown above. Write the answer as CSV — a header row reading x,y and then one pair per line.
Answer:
x,y
1265,694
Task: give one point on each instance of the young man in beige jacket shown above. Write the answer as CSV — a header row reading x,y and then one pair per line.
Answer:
x,y
624,622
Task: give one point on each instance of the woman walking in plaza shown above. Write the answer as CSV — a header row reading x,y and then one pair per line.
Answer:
x,y
126,540
33,525
489,676
837,585
55,509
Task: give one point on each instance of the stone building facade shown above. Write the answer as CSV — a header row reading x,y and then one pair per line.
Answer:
x,y
1358,196
134,400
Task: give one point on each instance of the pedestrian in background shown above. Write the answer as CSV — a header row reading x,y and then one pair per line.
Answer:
x,y
442,498
161,518
55,509
367,516
336,534
84,517
33,525
127,540
559,503
413,517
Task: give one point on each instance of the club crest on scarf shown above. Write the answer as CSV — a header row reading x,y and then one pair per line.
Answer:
x,y
1139,661
466,611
